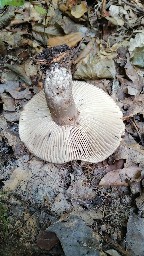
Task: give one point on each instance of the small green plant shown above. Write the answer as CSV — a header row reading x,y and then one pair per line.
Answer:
x,y
42,11
11,2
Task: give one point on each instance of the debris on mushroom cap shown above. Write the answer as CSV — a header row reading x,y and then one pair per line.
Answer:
x,y
93,139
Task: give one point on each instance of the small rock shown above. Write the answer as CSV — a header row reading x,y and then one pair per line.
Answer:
x,y
76,237
132,91
135,235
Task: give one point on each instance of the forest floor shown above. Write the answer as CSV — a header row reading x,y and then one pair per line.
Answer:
x,y
40,200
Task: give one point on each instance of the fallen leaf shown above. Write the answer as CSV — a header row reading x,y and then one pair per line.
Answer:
x,y
68,25
70,40
20,72
13,39
6,18
132,153
15,90
17,176
79,10
120,177
47,240
85,52
8,102
40,10
136,42
11,116
138,57
116,21
136,49
93,67
135,106
131,73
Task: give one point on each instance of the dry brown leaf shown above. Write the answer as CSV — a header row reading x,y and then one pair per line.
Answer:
x,y
121,177
71,40
79,10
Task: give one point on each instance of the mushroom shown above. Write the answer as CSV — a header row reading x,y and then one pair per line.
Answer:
x,y
70,120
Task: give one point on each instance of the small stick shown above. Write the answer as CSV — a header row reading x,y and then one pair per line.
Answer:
x,y
133,5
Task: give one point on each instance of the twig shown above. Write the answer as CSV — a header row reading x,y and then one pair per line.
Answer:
x,y
115,245
133,5
136,128
103,9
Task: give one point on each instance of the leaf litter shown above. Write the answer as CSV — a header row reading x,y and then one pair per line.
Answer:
x,y
107,196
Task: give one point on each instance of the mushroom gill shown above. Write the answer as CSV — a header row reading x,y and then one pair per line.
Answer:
x,y
70,120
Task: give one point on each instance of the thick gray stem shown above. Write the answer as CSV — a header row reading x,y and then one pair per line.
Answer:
x,y
58,92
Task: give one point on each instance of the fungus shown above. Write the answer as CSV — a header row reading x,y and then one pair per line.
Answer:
x,y
70,120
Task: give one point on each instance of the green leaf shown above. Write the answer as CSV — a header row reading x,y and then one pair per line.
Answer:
x,y
11,2
40,10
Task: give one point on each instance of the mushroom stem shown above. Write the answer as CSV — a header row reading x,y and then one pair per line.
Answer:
x,y
58,93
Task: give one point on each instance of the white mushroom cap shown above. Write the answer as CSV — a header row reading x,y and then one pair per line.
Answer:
x,y
96,136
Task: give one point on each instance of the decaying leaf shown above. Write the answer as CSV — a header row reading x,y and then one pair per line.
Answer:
x,y
131,73
138,57
20,72
67,25
71,40
15,90
116,13
11,116
121,177
85,52
136,42
92,67
13,39
17,176
135,106
8,102
135,87
79,10
48,31
2,48
120,15
5,19
136,49
132,153
32,12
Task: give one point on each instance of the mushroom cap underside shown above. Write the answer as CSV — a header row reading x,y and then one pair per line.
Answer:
x,y
93,139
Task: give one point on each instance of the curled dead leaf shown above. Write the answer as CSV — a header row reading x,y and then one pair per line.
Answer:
x,y
70,40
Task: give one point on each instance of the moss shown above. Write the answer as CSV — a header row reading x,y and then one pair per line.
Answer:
x,y
3,222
